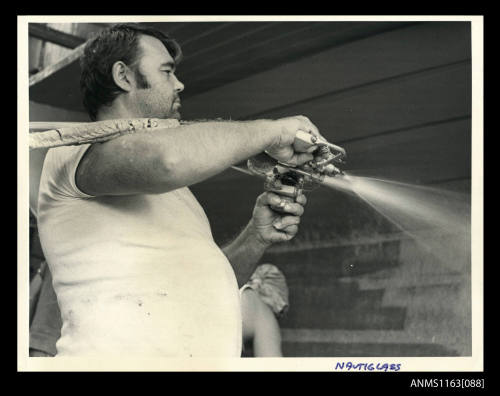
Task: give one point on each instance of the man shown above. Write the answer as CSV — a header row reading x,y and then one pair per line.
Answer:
x,y
133,261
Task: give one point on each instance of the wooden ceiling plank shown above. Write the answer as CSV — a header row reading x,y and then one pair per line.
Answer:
x,y
226,54
227,57
287,41
389,105
241,30
357,90
382,56
166,27
184,31
404,129
206,34
268,55
420,144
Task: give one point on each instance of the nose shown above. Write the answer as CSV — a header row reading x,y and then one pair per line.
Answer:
x,y
179,87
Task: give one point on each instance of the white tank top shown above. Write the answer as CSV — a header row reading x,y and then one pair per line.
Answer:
x,y
136,275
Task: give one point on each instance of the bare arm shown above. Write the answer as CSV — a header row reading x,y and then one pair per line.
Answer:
x,y
260,325
266,227
244,253
164,160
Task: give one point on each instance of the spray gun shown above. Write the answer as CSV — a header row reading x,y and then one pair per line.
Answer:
x,y
290,181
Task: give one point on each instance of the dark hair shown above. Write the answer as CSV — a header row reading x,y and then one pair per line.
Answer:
x,y
116,43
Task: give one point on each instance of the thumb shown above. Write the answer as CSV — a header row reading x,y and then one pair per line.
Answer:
x,y
300,158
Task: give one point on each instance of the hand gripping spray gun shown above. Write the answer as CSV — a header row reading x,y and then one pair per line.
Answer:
x,y
289,181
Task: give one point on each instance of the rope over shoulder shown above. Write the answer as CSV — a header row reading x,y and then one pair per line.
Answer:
x,y
69,134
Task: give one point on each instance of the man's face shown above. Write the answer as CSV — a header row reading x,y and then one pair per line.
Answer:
x,y
159,97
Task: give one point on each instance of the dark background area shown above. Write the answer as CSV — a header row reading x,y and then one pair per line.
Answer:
x,y
395,95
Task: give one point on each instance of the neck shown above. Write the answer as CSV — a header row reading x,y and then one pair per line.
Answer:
x,y
117,110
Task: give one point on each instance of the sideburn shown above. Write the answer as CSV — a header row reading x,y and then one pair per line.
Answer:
x,y
142,82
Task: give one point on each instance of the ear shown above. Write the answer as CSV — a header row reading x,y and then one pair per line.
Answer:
x,y
122,75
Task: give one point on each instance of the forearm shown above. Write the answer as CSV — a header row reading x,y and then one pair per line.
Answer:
x,y
244,253
198,151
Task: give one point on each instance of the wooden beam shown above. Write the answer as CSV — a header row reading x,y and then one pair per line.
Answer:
x,y
46,33
49,70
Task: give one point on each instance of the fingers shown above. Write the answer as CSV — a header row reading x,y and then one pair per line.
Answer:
x,y
306,140
277,217
287,233
291,231
299,123
311,128
287,223
293,209
301,199
280,236
308,126
269,199
301,158
290,148
283,204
